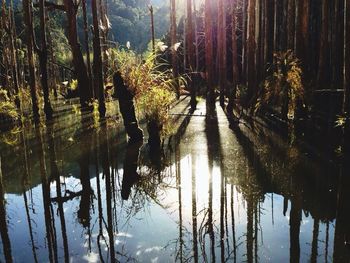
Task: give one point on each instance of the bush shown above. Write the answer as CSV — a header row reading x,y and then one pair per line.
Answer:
x,y
8,109
283,87
154,89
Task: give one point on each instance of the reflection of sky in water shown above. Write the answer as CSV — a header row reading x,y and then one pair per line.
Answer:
x,y
151,234
146,226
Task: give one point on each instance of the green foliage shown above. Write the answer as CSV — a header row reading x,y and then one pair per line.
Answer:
x,y
8,108
340,121
153,88
283,87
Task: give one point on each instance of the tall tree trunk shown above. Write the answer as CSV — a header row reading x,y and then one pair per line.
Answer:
x,y
209,51
244,40
12,30
190,52
78,59
173,42
196,35
291,25
323,61
251,48
337,41
87,48
222,49
346,107
268,36
27,7
152,30
43,61
97,66
235,72
2,48
302,28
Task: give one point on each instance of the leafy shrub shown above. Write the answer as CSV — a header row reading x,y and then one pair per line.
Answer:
x,y
283,87
154,89
8,109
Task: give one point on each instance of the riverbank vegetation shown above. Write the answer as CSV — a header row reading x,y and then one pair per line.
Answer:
x,y
288,57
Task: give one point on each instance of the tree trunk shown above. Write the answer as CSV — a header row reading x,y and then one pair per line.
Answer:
x,y
291,25
78,60
196,35
323,61
346,107
87,48
12,30
97,66
302,28
338,46
190,52
173,42
27,7
43,61
2,48
222,49
235,73
244,39
209,51
152,30
269,24
251,49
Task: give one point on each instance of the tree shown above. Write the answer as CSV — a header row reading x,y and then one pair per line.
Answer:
x,y
302,31
323,61
251,49
97,66
346,105
173,42
80,69
291,24
43,56
87,48
12,38
222,49
209,51
235,72
190,51
27,7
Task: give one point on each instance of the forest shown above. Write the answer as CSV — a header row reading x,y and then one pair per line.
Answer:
x,y
180,130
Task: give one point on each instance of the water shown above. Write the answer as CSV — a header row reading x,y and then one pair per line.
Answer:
x,y
76,192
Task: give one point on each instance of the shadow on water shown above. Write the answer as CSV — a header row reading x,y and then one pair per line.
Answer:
x,y
214,195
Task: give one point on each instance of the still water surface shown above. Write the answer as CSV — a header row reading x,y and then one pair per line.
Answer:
x,y
214,194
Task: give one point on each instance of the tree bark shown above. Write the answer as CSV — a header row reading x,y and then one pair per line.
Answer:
x,y
323,61
97,66
78,60
190,52
222,49
209,51
337,43
346,105
43,61
27,7
268,36
12,30
173,42
87,48
251,49
235,72
291,25
302,28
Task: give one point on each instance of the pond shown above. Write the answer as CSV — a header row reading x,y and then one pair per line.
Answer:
x,y
75,191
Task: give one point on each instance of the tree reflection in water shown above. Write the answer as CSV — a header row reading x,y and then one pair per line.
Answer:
x,y
96,198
